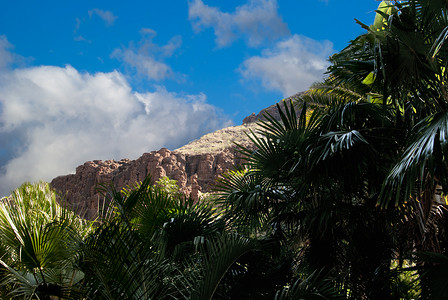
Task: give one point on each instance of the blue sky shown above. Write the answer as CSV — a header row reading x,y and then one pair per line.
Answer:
x,y
84,80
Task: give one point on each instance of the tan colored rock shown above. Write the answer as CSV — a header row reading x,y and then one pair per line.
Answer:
x,y
195,167
194,174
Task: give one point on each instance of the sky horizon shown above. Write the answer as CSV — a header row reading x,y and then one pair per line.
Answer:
x,y
86,80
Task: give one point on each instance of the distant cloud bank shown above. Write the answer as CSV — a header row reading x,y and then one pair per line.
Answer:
x,y
52,119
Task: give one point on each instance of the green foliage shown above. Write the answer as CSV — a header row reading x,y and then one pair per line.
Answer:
x,y
325,181
218,255
314,286
405,282
433,274
257,274
168,185
159,244
41,239
119,265
309,216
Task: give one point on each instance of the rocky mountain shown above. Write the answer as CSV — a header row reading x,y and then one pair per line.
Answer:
x,y
194,166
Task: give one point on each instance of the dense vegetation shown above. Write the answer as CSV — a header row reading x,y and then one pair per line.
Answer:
x,y
344,198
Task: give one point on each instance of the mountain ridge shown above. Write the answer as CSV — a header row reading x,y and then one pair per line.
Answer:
x,y
195,166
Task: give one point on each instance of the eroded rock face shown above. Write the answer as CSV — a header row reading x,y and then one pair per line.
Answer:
x,y
195,166
194,174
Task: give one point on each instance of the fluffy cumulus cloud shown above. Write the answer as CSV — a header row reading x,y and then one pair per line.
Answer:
x,y
147,57
291,66
53,119
256,21
107,16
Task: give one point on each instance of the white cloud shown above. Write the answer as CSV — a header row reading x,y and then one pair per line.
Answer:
x,y
77,37
291,66
6,57
147,57
53,119
107,16
256,21
145,64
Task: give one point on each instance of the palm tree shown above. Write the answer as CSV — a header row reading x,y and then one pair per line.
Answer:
x,y
403,57
314,181
40,238
150,243
153,243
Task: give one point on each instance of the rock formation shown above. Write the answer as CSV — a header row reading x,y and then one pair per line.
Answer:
x,y
195,167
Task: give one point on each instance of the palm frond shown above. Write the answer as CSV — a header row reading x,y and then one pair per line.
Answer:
x,y
42,238
339,142
187,221
433,274
326,94
119,265
246,198
314,286
124,201
426,153
218,256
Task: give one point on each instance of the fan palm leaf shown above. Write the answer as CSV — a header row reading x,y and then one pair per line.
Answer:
x,y
119,265
434,273
42,239
246,198
313,287
217,257
426,154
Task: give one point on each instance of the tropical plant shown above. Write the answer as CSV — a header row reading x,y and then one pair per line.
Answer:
x,y
41,239
312,287
156,244
402,57
314,182
378,138
118,264
150,243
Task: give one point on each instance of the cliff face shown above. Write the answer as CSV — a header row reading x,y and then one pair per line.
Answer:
x,y
195,167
